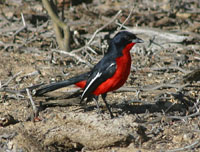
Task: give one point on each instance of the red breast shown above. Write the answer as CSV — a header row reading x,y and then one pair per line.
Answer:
x,y
121,74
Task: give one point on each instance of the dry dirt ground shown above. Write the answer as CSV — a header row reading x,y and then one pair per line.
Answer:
x,y
156,110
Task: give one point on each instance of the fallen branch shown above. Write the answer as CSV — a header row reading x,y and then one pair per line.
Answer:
x,y
72,55
177,86
188,147
172,68
160,34
13,77
104,26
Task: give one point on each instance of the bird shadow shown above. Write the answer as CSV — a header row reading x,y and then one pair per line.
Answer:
x,y
125,107
151,107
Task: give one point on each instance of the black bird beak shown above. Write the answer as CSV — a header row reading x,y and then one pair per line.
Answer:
x,y
137,40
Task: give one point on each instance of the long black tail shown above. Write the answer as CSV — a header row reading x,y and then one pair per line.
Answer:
x,y
58,85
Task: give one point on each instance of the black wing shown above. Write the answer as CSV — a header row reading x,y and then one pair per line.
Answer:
x,y
99,74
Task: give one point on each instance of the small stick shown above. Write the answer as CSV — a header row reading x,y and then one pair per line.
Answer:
x,y
104,26
91,50
122,25
22,28
191,146
184,118
35,109
5,84
126,89
171,67
23,20
177,86
72,55
125,27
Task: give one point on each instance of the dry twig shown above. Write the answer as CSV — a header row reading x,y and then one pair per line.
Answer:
x,y
72,55
13,77
35,109
122,25
188,147
104,26
150,88
22,28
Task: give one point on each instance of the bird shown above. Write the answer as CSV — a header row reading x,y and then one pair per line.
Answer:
x,y
109,74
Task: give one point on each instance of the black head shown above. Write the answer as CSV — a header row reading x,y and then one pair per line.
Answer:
x,y
120,41
124,37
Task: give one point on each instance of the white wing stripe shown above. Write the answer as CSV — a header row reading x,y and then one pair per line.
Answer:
x,y
110,66
97,76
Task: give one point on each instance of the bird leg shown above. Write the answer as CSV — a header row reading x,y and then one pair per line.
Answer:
x,y
97,103
107,105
